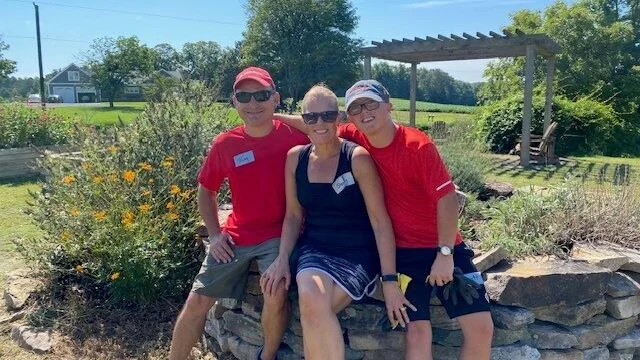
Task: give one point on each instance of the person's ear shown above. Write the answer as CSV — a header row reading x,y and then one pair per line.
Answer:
x,y
276,98
389,106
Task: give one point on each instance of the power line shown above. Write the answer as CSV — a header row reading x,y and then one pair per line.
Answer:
x,y
129,12
44,38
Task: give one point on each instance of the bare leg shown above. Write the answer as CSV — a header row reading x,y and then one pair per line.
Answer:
x,y
417,344
189,326
477,330
275,319
319,300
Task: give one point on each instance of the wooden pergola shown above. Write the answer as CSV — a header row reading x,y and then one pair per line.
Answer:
x,y
467,47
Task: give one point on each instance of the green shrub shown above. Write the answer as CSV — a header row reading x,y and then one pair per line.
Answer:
x,y
21,126
585,126
121,213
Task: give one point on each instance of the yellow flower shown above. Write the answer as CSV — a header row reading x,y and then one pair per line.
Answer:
x,y
168,162
113,149
185,195
100,215
151,181
146,193
173,216
97,179
65,235
144,208
86,166
169,158
127,218
112,177
170,205
175,189
74,212
79,268
145,166
129,175
68,179
115,276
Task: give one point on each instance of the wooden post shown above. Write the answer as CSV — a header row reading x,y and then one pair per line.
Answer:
x,y
548,102
412,94
366,71
527,111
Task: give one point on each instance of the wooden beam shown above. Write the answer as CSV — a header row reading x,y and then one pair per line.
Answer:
x,y
412,94
481,35
456,37
366,70
548,100
386,42
445,55
405,40
467,36
507,33
443,38
417,39
527,111
395,41
495,35
376,43
432,39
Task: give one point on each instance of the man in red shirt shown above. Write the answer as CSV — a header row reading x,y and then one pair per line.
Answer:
x,y
421,200
252,157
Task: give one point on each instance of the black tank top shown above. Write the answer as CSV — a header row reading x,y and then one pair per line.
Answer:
x,y
336,219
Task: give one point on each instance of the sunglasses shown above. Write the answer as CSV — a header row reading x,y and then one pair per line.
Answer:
x,y
355,109
326,116
260,96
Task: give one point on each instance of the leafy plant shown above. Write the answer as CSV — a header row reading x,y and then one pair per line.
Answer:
x,y
21,126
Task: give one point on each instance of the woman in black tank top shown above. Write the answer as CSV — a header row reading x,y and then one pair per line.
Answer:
x,y
336,215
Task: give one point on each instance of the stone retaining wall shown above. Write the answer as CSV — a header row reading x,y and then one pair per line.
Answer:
x,y
585,308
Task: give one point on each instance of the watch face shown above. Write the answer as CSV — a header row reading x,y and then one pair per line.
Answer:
x,y
445,250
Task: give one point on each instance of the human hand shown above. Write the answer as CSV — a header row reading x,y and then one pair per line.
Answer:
x,y
396,304
461,285
441,270
278,270
220,247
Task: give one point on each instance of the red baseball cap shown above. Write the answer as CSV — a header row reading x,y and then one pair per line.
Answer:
x,y
254,73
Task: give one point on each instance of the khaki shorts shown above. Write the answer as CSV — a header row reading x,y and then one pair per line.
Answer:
x,y
220,280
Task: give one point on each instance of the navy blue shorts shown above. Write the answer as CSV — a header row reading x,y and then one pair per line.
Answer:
x,y
417,263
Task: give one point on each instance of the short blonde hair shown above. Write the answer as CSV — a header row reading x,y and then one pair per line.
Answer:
x,y
319,91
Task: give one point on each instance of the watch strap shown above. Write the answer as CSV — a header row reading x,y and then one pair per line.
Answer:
x,y
389,277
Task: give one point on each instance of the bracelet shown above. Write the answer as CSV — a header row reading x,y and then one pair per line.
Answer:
x,y
389,277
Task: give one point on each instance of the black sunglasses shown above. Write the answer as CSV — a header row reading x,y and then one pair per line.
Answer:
x,y
260,96
326,116
355,109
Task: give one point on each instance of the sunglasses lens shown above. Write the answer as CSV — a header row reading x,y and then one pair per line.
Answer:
x,y
261,96
354,110
329,116
310,118
372,105
243,97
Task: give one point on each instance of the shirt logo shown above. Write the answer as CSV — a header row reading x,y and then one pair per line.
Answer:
x,y
343,181
244,158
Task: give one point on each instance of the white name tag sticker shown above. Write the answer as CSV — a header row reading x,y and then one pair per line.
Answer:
x,y
343,181
245,158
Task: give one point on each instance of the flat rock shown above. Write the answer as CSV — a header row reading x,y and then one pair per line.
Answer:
x,y
215,329
532,285
570,354
30,338
247,328
363,317
382,355
496,190
288,354
621,355
598,353
601,330
570,316
490,259
621,285
252,305
622,308
515,352
253,285
511,317
501,337
550,336
19,288
13,317
294,342
242,349
376,340
440,319
600,256
628,341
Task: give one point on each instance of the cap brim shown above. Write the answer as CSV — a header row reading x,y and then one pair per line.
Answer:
x,y
262,82
367,95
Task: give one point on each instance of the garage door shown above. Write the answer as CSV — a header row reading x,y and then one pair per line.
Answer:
x,y
67,93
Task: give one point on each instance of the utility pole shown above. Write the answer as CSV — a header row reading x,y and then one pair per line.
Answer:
x,y
43,100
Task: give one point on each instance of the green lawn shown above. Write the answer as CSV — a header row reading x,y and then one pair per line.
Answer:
x,y
403,105
13,223
595,170
102,114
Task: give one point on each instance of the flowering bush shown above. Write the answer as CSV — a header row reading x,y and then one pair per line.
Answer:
x,y
21,126
122,213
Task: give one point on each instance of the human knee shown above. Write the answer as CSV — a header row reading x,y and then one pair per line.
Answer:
x,y
197,304
418,333
479,330
313,303
278,299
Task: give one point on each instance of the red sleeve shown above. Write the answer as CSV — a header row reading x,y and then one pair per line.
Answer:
x,y
212,172
347,131
438,181
300,137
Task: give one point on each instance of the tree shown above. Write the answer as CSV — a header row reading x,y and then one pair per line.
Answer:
x,y
302,42
115,62
7,67
230,65
202,61
168,58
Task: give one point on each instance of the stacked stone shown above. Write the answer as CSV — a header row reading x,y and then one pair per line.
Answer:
x,y
579,309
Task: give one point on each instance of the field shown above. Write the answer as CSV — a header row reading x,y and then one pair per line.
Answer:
x,y
423,106
102,114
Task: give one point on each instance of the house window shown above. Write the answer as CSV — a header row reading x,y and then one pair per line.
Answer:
x,y
73,75
132,90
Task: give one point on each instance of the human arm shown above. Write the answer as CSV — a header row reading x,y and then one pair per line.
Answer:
x,y
366,175
291,225
219,242
295,121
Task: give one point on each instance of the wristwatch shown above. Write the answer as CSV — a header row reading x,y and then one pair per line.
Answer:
x,y
389,277
445,250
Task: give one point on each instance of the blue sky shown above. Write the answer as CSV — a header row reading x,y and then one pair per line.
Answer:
x,y
69,26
